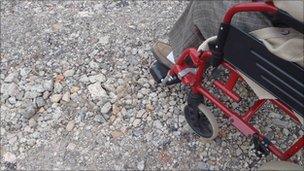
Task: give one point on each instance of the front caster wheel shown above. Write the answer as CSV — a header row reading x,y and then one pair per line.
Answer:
x,y
202,121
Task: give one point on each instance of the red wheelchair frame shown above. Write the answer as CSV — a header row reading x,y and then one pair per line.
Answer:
x,y
240,121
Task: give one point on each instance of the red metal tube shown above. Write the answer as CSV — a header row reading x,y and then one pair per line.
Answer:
x,y
249,114
248,7
297,146
294,149
229,85
286,109
247,129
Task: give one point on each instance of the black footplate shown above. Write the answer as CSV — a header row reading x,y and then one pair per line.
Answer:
x,y
159,71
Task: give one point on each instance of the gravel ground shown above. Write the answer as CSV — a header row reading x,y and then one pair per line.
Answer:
x,y
76,93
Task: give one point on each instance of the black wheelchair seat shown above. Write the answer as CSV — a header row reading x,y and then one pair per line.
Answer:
x,y
283,79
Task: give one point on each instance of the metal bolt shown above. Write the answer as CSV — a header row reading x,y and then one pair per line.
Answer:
x,y
221,28
216,46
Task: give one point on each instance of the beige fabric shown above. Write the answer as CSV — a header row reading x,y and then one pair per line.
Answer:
x,y
285,43
280,165
293,7
258,90
204,46
301,119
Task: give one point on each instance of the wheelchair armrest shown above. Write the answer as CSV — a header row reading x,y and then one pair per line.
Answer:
x,y
275,13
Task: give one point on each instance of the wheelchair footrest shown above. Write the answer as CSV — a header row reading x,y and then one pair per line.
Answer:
x,y
159,72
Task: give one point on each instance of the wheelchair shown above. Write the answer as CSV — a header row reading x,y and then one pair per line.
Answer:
x,y
252,59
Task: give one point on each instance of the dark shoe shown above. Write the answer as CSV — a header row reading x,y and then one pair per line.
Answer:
x,y
161,51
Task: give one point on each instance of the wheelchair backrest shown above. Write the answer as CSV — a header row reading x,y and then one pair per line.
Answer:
x,y
283,79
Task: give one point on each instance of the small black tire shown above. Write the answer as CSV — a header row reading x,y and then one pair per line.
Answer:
x,y
202,121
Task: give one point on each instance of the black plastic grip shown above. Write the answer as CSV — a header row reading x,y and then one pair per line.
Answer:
x,y
218,45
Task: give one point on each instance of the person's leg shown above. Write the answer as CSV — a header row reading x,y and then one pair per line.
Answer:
x,y
201,20
180,35
184,32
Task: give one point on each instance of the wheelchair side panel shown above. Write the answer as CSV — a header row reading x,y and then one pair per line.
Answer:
x,y
284,79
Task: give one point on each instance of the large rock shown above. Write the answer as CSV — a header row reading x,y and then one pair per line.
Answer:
x,y
75,89
93,64
100,119
84,78
25,71
40,101
10,77
12,100
66,97
9,157
48,85
106,108
55,98
10,89
30,110
32,123
70,125
69,73
38,88
31,94
136,122
158,124
104,40
97,78
97,91
58,87
141,165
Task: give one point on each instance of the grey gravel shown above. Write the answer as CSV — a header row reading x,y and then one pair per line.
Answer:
x,y
40,101
97,91
69,73
99,119
30,110
66,97
97,78
57,88
55,98
48,85
106,108
10,77
76,93
9,89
